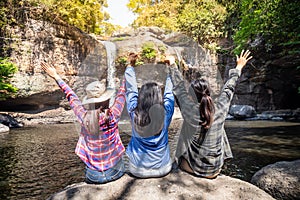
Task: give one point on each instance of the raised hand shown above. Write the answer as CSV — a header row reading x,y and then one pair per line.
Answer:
x,y
50,70
243,59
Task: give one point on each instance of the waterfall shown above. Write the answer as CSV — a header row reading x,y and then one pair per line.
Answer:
x,y
111,52
111,56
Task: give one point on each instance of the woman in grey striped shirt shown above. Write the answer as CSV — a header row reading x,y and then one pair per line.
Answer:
x,y
203,145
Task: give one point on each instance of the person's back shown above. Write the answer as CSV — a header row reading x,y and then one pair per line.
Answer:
x,y
203,144
150,114
99,145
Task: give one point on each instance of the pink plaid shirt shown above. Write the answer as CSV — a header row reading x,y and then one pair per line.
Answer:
x,y
103,151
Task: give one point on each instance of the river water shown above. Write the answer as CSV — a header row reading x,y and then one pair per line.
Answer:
x,y
36,162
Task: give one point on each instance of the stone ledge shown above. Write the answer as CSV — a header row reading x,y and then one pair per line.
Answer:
x,y
176,185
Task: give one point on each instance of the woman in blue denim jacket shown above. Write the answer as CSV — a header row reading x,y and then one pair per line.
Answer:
x,y
150,113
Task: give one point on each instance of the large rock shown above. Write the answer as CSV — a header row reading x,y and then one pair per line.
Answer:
x,y
281,180
9,121
242,111
202,63
177,185
3,128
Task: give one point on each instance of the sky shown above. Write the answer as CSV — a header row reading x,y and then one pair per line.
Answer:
x,y
119,13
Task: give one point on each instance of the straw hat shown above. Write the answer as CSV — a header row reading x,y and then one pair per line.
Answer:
x,y
97,92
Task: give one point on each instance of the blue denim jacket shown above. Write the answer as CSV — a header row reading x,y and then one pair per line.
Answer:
x,y
148,152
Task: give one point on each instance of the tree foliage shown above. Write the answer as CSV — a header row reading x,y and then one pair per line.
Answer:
x,y
7,70
155,13
87,15
276,21
202,20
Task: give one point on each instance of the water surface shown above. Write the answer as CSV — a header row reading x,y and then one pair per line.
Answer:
x,y
36,162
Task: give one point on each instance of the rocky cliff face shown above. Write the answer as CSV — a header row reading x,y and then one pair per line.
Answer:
x,y
77,56
270,82
81,58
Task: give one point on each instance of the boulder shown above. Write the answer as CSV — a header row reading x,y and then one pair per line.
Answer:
x,y
242,111
9,121
281,180
3,128
177,185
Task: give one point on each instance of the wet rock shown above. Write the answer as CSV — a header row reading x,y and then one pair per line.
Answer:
x,y
242,111
176,185
3,128
281,180
286,114
9,121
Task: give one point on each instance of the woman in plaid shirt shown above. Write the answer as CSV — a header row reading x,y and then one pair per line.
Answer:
x,y
203,145
99,145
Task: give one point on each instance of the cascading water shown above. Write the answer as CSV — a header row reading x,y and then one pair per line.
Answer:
x,y
111,55
111,51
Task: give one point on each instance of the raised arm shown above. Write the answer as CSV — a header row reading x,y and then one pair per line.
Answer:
x,y
189,109
73,99
119,103
226,95
131,89
169,97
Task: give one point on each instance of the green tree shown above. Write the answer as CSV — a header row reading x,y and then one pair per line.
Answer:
x,y
7,70
202,20
276,21
155,13
137,6
87,15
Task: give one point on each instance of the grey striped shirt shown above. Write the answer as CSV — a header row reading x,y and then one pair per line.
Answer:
x,y
207,154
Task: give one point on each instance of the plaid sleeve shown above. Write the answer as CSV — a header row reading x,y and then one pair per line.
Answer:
x,y
119,103
226,95
73,99
188,108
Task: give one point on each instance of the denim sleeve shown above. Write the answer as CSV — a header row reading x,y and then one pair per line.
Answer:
x,y
169,98
131,89
188,108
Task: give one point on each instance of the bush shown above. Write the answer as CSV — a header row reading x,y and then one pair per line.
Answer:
x,y
7,70
148,52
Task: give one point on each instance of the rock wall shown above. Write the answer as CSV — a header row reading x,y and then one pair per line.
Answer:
x,y
269,83
78,58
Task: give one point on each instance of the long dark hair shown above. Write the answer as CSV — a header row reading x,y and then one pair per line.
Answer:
x,y
149,112
91,118
200,89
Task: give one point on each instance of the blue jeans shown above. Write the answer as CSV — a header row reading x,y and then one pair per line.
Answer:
x,y
96,177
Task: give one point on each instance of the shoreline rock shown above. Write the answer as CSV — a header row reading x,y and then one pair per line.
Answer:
x,y
61,115
281,179
176,185
3,128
